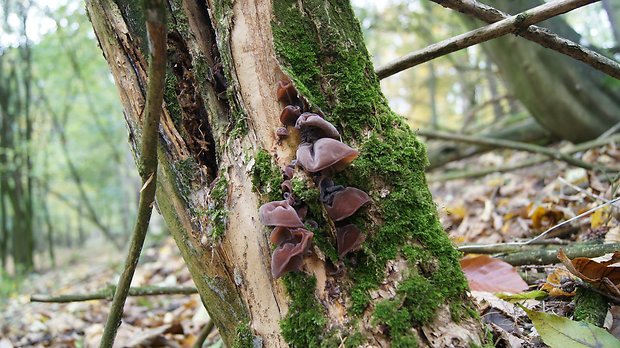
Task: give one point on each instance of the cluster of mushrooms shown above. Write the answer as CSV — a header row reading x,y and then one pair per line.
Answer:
x,y
321,154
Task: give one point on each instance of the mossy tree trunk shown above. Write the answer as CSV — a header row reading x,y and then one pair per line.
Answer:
x,y
220,159
568,98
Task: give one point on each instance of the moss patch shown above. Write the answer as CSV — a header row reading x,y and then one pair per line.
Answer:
x,y
590,307
244,338
217,212
335,73
305,321
266,176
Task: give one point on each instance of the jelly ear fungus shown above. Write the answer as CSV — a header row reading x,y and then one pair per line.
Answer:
x,y
321,154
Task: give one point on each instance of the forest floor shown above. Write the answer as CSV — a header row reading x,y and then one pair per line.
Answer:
x,y
501,207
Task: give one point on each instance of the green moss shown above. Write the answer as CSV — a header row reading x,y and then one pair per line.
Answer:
x,y
266,176
590,307
217,212
305,321
244,338
398,321
170,97
335,73
354,340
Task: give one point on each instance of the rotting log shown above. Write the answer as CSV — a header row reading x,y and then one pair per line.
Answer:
x,y
220,160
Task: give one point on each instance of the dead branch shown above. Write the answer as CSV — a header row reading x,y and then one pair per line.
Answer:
x,y
546,256
509,144
536,34
511,24
531,162
108,294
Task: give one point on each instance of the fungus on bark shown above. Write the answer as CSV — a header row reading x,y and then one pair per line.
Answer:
x,y
279,213
289,115
325,153
314,127
343,203
288,256
348,238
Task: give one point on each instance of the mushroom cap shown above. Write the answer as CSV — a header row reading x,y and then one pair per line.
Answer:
x,y
289,255
290,115
325,153
283,260
317,126
346,202
279,213
349,238
286,92
279,235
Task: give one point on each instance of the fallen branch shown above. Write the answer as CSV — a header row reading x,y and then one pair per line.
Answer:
x,y
538,35
546,256
204,333
472,248
155,14
511,24
531,162
509,144
108,294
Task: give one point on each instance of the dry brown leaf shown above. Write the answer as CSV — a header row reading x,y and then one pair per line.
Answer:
x,y
604,275
554,283
544,217
485,273
613,235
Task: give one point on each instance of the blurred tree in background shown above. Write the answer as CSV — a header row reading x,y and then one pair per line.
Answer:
x,y
67,174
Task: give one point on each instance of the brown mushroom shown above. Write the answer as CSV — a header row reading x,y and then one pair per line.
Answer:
x,y
315,127
289,256
284,260
279,235
345,203
279,213
290,115
287,93
325,153
349,238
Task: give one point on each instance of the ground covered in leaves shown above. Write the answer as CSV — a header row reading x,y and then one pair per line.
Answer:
x,y
155,321
497,208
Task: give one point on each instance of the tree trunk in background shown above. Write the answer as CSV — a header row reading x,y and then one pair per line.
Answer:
x,y
220,160
613,14
570,99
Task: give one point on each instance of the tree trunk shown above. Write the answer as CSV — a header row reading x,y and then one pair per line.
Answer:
x,y
570,99
220,160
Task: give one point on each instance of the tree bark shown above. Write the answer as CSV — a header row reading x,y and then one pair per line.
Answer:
x,y
220,160
569,99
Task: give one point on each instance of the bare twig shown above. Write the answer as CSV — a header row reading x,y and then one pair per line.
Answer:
x,y
108,294
474,248
509,144
546,256
482,172
511,24
204,333
155,13
538,35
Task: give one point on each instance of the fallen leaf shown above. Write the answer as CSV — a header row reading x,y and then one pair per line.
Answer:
x,y
555,282
613,235
562,332
530,295
603,275
485,273
543,217
599,217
